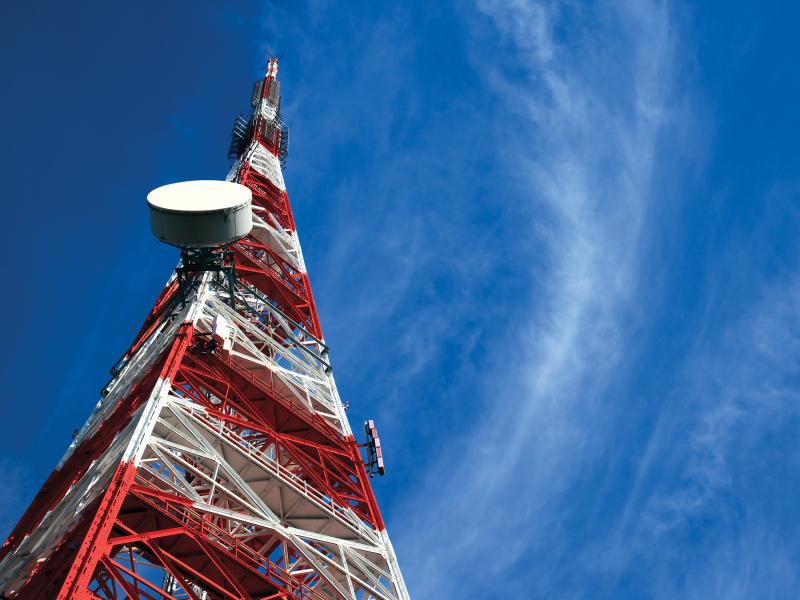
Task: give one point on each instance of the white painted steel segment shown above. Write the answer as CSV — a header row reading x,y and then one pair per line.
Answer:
x,y
55,525
267,164
269,232
233,171
267,111
200,213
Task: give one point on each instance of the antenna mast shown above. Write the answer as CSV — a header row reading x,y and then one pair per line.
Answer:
x,y
219,462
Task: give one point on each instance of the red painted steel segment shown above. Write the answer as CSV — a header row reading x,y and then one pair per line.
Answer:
x,y
81,458
95,543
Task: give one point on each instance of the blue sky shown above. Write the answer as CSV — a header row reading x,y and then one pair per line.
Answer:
x,y
554,246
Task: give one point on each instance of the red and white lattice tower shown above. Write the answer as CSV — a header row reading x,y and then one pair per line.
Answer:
x,y
219,462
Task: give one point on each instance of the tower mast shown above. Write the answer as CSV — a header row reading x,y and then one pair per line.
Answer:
x,y
219,461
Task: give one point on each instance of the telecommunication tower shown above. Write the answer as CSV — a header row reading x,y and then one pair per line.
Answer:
x,y
219,462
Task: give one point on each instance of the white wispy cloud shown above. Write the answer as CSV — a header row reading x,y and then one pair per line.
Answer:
x,y
590,106
737,393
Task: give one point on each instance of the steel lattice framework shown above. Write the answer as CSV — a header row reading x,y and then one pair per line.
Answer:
x,y
219,462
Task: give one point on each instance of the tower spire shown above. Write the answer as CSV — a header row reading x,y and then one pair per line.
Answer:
x,y
272,68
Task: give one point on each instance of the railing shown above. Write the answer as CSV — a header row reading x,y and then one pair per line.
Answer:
x,y
289,402
199,527
294,357
323,501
